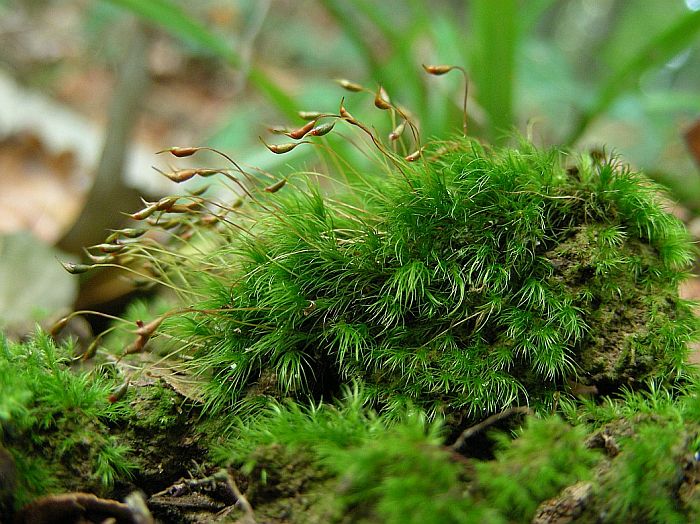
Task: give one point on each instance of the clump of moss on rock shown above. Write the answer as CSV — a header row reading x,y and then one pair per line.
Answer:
x,y
61,429
343,463
442,289
55,425
467,282
628,458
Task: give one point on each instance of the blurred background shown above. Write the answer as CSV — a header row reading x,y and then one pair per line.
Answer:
x,y
91,89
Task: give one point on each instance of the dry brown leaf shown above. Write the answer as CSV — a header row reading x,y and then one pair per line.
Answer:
x,y
39,193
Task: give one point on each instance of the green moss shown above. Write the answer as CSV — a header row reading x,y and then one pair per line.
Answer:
x,y
366,465
158,409
405,475
470,282
378,470
548,456
56,422
288,483
348,464
643,484
651,439
442,290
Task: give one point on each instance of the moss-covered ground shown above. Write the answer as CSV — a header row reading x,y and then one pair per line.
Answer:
x,y
328,351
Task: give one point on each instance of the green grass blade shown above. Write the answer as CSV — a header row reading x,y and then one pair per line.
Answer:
x,y
530,17
175,21
347,22
658,50
495,39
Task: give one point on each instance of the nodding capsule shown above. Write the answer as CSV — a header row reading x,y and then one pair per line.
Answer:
x,y
180,152
182,175
118,393
136,346
276,186
75,269
414,156
109,248
126,233
349,86
438,70
309,115
280,149
146,330
301,132
397,132
58,326
144,213
381,99
322,129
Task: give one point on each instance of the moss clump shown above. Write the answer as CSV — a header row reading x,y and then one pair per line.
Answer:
x,y
632,458
55,422
652,469
375,470
461,284
548,456
470,281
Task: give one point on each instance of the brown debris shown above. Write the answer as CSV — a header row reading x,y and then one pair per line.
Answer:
x,y
78,507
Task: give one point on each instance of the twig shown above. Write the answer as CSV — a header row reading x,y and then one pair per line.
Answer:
x,y
75,507
139,510
184,486
242,501
473,430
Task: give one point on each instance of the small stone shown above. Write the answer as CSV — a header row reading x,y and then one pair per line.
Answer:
x,y
565,508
